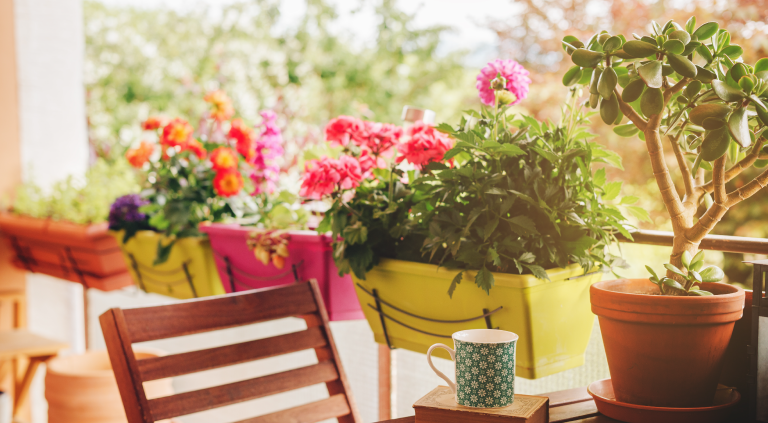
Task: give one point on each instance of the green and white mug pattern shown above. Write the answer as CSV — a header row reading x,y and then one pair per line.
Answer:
x,y
485,367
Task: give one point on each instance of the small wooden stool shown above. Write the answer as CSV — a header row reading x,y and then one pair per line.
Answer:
x,y
21,343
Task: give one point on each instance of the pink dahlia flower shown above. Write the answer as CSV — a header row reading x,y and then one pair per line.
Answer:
x,y
515,74
342,129
424,145
324,176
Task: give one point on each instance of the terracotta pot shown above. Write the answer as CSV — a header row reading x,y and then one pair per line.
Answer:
x,y
82,389
665,351
79,253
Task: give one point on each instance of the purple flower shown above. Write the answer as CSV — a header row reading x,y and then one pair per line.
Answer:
x,y
126,210
515,73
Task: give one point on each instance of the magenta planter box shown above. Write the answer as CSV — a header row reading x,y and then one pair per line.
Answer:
x,y
309,251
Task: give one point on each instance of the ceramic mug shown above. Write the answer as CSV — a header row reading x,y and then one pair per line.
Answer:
x,y
485,367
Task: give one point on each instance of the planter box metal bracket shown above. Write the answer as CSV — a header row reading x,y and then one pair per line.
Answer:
x,y
234,281
144,277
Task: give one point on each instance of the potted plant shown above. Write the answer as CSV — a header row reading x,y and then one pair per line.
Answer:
x,y
211,174
683,88
508,203
63,232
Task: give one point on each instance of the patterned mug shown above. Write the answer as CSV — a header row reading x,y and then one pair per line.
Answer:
x,y
485,367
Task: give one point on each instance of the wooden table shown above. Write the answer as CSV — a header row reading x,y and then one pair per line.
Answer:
x,y
572,405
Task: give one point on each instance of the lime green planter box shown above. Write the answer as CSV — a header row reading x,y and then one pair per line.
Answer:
x,y
190,271
553,319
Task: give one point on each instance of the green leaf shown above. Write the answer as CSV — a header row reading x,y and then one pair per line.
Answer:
x,y
698,258
683,36
695,274
734,51
712,274
711,123
706,31
672,283
511,150
639,213
738,126
690,24
699,293
673,46
628,130
163,252
682,65
652,102
609,109
572,76
355,234
651,74
612,190
537,271
484,279
490,227
586,58
633,90
445,128
693,88
629,199
708,110
652,271
704,75
579,246
550,157
715,144
761,65
599,178
454,283
726,92
639,49
672,268
522,225
686,258
607,83
612,43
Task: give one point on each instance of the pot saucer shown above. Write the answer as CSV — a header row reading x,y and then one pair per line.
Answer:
x,y
602,391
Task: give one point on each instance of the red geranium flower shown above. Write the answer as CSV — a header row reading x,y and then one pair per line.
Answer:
x,y
228,183
140,155
224,158
378,138
153,122
424,145
244,137
196,148
342,129
324,176
177,132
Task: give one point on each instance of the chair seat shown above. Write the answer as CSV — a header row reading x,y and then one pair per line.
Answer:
x,y
23,342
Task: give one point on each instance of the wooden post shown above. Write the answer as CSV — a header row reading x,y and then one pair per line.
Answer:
x,y
385,382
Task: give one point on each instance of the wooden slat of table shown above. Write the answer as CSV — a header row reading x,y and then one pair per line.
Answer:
x,y
570,412
568,396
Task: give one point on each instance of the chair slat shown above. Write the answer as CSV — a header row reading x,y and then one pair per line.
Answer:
x,y
203,315
196,361
219,396
335,406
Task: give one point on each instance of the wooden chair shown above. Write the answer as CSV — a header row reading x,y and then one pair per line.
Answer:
x,y
124,327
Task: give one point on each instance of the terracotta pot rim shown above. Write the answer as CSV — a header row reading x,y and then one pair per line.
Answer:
x,y
726,306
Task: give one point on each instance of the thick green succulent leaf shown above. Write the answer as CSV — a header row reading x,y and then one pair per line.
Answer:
x,y
703,50
734,51
570,43
706,31
726,92
708,110
572,76
672,268
686,259
612,43
609,109
711,123
682,36
690,24
746,84
628,130
738,125
639,49
682,65
761,65
738,71
704,75
762,114
672,283
692,88
712,274
633,90
621,54
651,74
674,46
607,83
715,144
586,58
594,81
652,102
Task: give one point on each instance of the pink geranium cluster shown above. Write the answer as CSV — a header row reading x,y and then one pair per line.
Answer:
x,y
324,176
424,145
515,74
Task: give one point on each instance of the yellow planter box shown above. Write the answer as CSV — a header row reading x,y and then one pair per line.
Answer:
x,y
553,319
190,271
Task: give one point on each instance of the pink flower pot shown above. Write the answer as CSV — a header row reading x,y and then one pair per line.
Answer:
x,y
309,253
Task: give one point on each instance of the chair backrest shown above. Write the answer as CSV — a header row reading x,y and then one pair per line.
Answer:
x,y
124,327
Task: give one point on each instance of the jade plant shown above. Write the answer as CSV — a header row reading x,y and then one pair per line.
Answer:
x,y
683,88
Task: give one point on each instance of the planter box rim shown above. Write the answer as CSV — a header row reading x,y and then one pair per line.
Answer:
x,y
501,279
300,234
14,223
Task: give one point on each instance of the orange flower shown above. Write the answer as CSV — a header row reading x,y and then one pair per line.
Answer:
x,y
227,183
245,139
140,155
177,132
223,159
221,105
152,123
196,148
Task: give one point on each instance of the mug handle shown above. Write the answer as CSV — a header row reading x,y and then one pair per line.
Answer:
x,y
438,372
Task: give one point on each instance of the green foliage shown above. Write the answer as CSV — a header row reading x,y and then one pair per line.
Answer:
x,y
723,99
160,60
691,274
78,200
520,200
